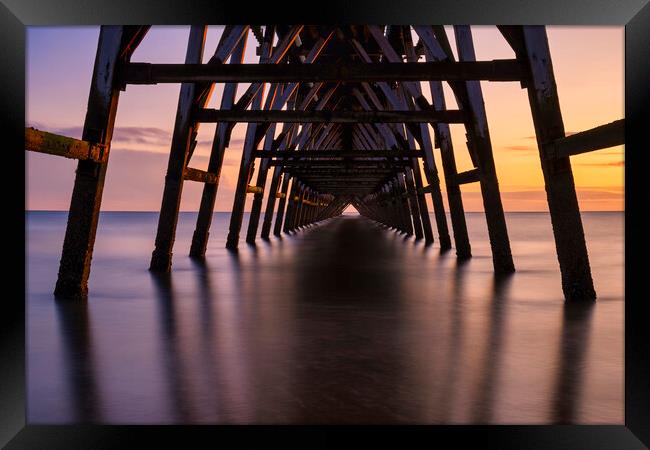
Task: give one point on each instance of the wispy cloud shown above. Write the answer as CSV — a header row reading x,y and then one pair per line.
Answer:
x,y
142,135
521,148
566,133
144,139
234,142
604,164
135,135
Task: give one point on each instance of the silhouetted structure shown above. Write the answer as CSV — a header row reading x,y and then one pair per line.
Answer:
x,y
355,124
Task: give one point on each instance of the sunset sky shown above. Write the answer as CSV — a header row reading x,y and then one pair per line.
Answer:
x,y
589,70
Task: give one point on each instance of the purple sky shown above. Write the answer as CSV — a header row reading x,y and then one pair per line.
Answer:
x,y
588,63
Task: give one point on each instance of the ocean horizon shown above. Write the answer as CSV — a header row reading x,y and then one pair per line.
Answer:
x,y
343,322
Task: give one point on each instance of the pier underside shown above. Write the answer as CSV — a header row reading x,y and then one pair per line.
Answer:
x,y
336,116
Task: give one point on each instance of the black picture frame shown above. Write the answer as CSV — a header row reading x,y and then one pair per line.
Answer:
x,y
15,15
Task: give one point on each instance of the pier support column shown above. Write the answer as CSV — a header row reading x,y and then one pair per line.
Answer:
x,y
215,163
161,258
246,165
284,190
412,200
424,209
83,216
270,202
291,205
454,198
258,197
430,169
481,147
577,283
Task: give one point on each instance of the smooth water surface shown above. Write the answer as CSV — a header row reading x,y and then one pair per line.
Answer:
x,y
345,322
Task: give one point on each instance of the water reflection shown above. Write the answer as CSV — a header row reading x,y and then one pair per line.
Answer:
x,y
171,358
487,388
341,323
79,360
574,344
454,343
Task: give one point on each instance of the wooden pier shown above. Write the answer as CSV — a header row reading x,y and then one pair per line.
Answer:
x,y
337,116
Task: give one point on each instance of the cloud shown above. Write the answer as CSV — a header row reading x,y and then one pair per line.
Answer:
x,y
148,139
234,142
566,133
142,135
604,164
151,136
524,148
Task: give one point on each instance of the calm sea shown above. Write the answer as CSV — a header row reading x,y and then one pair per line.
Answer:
x,y
345,322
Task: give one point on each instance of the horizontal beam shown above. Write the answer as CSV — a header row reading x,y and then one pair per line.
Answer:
x,y
55,144
337,173
470,176
250,189
293,116
339,154
496,70
343,164
201,176
604,136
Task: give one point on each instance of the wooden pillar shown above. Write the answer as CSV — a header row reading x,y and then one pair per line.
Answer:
x,y
298,207
481,147
245,167
430,169
277,227
577,283
262,172
270,202
403,206
219,144
305,208
161,258
412,201
454,198
83,216
291,204
422,202
261,180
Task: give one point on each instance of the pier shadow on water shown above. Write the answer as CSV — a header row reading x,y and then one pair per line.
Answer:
x,y
343,323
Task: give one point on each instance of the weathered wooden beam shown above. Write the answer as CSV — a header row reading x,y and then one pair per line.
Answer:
x,y
277,226
340,173
429,166
454,198
342,163
604,136
577,283
479,136
201,176
217,152
161,257
55,144
267,54
341,180
115,45
338,154
470,176
337,116
496,70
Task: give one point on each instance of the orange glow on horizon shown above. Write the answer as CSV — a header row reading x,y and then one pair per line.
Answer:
x,y
589,70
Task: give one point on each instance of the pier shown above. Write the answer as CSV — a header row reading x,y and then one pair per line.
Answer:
x,y
336,117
